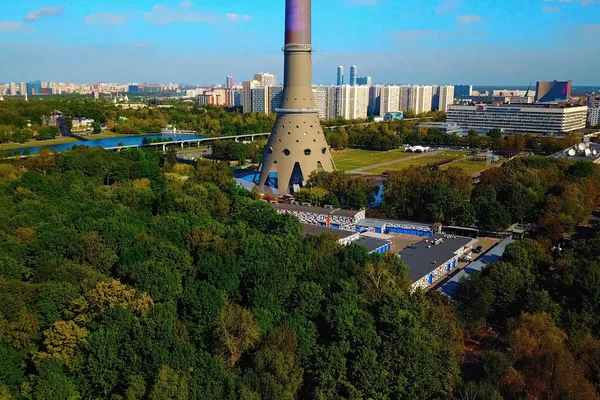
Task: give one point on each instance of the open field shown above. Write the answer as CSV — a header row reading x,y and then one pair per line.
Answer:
x,y
419,162
350,159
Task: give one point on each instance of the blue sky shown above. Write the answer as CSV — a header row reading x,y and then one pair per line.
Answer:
x,y
496,42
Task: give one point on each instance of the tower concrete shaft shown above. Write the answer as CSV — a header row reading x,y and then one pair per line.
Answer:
x,y
297,145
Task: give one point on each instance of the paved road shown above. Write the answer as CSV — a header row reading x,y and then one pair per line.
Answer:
x,y
363,170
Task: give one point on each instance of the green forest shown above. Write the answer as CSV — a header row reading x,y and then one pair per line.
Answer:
x,y
124,276
15,116
122,281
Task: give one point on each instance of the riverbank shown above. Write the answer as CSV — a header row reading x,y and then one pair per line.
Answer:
x,y
60,140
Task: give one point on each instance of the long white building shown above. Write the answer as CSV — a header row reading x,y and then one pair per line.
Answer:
x,y
519,118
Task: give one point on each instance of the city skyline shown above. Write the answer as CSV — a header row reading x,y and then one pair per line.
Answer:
x,y
449,41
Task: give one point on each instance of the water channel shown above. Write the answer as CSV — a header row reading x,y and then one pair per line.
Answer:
x,y
106,143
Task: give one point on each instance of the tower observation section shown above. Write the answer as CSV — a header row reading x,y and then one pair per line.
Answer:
x,y
297,145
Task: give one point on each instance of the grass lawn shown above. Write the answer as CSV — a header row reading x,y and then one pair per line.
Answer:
x,y
36,143
350,159
419,162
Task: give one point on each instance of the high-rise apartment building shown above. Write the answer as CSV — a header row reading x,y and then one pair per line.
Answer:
x,y
404,98
247,87
320,96
22,88
390,100
444,97
266,79
340,75
353,75
351,102
275,98
420,99
364,80
260,99
13,89
463,92
229,82
594,116
375,99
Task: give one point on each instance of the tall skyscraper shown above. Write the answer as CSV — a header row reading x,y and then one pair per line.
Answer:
x,y
229,82
364,80
297,145
340,75
353,75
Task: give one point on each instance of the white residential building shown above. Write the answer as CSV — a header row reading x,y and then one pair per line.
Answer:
x,y
351,102
390,100
420,99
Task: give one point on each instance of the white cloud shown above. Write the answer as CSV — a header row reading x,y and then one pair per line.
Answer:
x,y
468,19
44,12
185,4
163,15
448,6
106,18
238,17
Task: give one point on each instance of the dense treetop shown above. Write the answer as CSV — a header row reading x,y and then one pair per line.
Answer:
x,y
119,280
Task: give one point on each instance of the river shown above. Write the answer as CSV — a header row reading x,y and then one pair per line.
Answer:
x,y
112,142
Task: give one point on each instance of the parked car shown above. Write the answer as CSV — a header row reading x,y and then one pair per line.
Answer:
x,y
478,249
466,259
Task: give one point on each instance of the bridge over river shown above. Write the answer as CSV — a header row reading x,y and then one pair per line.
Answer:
x,y
183,143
